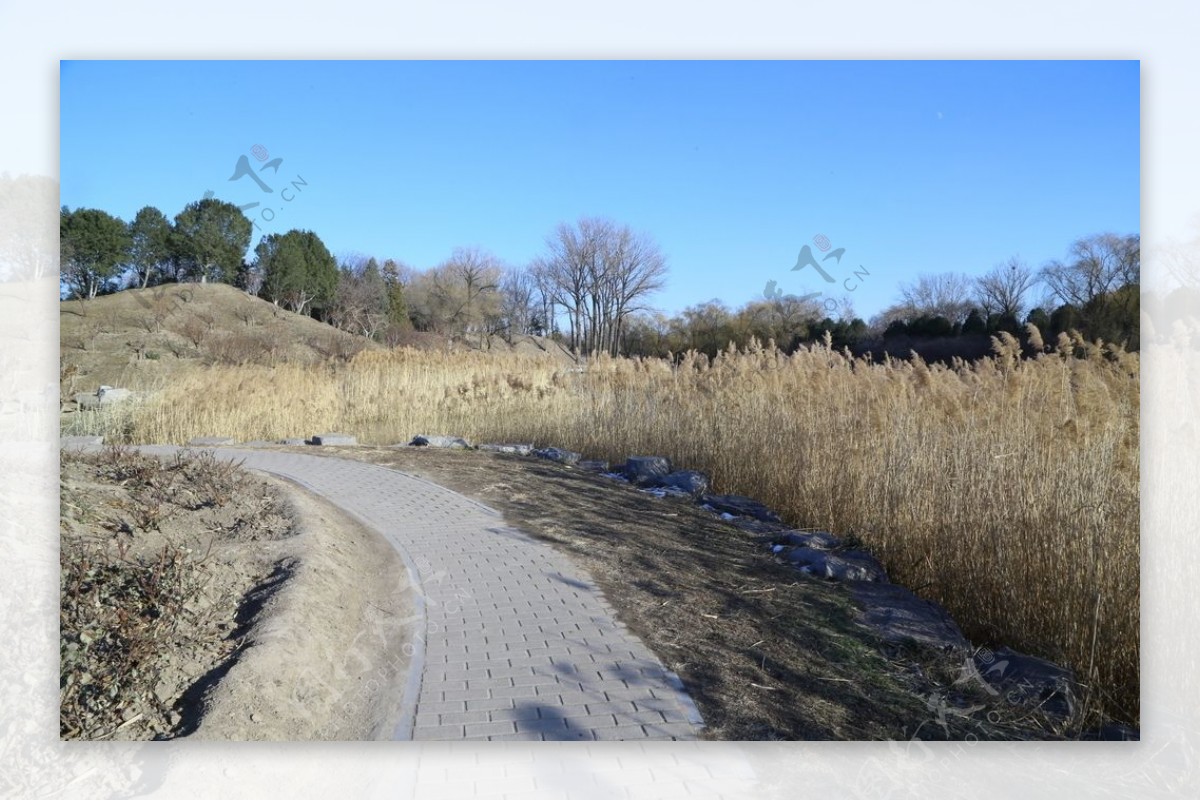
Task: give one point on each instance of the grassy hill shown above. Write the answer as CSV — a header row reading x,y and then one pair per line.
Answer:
x,y
140,338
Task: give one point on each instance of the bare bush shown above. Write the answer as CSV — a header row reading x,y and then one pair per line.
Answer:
x,y
194,330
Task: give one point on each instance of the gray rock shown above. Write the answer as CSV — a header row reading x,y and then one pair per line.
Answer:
x,y
807,557
847,566
333,439
810,539
439,441
558,455
75,443
207,441
897,615
854,566
761,528
594,465
1029,681
293,441
690,481
104,396
646,471
741,506
520,450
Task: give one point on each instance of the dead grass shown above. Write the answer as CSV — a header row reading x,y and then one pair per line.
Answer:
x,y
766,653
152,574
139,337
1005,489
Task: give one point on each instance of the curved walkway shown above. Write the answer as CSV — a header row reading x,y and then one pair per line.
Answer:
x,y
514,641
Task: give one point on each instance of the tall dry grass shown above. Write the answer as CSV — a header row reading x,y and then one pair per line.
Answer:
x,y
1006,489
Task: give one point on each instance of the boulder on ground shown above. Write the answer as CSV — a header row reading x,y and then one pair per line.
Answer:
x,y
854,566
646,471
692,482
740,506
75,443
810,539
1029,681
897,615
845,566
520,450
333,439
807,558
558,455
439,441
209,441
104,396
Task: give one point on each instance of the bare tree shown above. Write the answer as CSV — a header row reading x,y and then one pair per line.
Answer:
x,y
569,269
636,270
1002,290
942,295
460,296
519,302
1096,265
599,273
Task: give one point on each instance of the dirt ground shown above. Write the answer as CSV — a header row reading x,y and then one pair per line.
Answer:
x,y
766,653
212,605
200,601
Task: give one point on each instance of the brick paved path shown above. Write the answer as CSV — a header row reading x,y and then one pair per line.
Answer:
x,y
517,642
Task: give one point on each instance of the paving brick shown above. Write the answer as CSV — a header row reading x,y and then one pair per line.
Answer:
x,y
488,704
593,721
543,725
503,637
506,693
623,732
490,729
533,679
675,730
438,733
437,707
563,711
519,712
527,736
482,716
621,708
465,695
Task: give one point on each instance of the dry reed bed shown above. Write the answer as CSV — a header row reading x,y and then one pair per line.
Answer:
x,y
1005,489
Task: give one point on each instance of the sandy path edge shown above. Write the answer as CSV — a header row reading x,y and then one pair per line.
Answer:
x,y
330,652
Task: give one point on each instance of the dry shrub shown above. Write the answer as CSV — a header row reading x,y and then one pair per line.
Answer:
x,y
134,609
1006,489
194,330
341,347
243,347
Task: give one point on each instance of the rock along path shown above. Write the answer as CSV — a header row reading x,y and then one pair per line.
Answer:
x,y
514,642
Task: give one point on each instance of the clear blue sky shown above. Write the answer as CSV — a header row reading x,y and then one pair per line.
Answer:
x,y
730,166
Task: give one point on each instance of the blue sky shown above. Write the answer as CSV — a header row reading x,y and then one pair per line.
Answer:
x,y
732,167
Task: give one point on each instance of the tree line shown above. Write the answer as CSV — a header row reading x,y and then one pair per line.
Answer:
x,y
590,288
1094,290
592,277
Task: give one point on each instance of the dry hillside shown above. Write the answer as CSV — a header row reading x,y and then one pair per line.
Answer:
x,y
139,338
